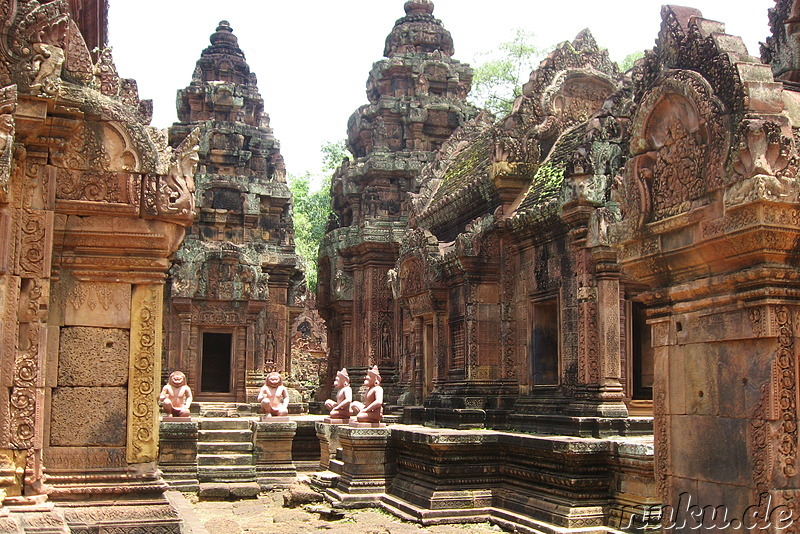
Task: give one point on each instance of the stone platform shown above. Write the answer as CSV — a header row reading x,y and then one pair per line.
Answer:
x,y
524,482
230,451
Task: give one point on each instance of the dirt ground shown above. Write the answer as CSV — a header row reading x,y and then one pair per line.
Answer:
x,y
267,515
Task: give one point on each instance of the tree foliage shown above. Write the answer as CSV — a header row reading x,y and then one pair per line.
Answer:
x,y
627,63
312,206
498,80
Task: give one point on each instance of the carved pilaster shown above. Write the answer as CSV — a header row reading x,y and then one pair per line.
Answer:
x,y
144,373
608,353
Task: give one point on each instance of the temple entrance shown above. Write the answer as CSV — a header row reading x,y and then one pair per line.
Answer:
x,y
215,370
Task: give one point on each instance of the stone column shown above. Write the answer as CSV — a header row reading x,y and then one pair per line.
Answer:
x,y
607,273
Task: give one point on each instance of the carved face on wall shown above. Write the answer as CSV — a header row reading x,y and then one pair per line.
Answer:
x,y
274,379
177,379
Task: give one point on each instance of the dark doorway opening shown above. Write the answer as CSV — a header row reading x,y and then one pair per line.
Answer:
x,y
643,355
216,371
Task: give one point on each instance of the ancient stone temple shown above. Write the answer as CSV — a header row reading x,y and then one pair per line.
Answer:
x,y
234,281
495,286
92,204
619,252
416,100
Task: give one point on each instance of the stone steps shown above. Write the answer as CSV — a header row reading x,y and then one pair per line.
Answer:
x,y
223,423
222,447
225,447
230,436
220,473
226,460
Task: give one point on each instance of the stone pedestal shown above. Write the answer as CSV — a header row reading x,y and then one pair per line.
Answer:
x,y
328,435
274,418
272,453
366,465
177,453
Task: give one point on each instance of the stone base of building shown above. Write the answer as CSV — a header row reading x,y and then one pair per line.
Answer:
x,y
128,516
531,483
596,427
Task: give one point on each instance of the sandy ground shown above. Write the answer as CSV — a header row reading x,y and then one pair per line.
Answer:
x,y
267,515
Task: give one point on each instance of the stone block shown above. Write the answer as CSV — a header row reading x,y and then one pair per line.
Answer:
x,y
695,448
177,443
99,304
244,490
93,357
214,490
89,416
272,452
328,434
272,442
765,97
366,466
730,43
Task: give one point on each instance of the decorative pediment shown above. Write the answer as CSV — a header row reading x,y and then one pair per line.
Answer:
x,y
679,145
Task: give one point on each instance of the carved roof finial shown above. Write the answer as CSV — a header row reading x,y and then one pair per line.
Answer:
x,y
419,32
419,7
224,35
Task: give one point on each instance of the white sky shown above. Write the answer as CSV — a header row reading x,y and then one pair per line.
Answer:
x,y
312,57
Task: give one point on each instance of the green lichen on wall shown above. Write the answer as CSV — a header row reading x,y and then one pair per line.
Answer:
x,y
546,183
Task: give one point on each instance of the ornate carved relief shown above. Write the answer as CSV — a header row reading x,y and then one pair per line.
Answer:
x,y
34,36
173,195
778,402
507,317
105,73
27,397
33,251
765,164
8,105
661,437
144,373
680,142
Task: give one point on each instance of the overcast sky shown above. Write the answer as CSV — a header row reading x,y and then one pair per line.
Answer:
x,y
312,57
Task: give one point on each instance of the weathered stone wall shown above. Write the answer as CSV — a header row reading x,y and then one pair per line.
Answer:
x,y
92,203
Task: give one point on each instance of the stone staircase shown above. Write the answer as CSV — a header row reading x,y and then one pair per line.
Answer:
x,y
225,450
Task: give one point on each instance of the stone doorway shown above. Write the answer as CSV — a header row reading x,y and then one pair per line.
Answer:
x,y
215,364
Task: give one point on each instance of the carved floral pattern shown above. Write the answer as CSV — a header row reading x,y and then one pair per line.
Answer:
x,y
145,359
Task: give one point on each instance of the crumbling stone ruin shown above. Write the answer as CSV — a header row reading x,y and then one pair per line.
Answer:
x,y
234,286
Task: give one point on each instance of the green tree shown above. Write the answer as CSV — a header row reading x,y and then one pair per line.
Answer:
x,y
627,63
498,80
312,206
